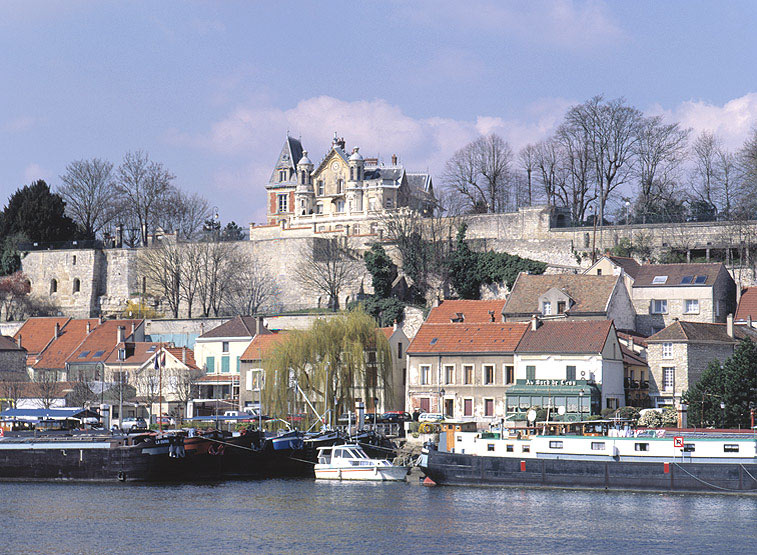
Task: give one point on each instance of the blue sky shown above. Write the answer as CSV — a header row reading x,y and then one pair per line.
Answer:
x,y
210,89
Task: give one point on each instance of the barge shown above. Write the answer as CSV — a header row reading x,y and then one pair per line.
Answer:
x,y
596,455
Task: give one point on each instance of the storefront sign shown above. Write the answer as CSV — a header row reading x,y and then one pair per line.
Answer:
x,y
550,382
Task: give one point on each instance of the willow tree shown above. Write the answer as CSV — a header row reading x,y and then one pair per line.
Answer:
x,y
335,362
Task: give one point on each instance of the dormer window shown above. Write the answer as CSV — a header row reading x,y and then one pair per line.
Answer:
x,y
546,308
561,307
282,175
458,317
659,280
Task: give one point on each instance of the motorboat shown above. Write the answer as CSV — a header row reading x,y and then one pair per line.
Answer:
x,y
350,462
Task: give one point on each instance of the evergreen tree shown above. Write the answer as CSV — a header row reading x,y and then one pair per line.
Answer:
x,y
734,384
383,271
232,232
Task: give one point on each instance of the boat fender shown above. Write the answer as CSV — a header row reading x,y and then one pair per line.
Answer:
x,y
428,482
121,476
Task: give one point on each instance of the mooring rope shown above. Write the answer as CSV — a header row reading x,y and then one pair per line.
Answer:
x,y
702,481
745,470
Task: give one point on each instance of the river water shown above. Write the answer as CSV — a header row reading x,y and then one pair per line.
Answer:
x,y
304,516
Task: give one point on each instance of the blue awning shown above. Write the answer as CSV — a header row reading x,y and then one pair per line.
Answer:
x,y
73,413
230,418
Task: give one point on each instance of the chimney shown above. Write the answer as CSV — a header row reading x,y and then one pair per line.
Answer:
x,y
394,327
120,334
57,330
184,355
260,325
89,327
631,344
394,159
18,341
491,315
535,322
437,301
132,330
729,325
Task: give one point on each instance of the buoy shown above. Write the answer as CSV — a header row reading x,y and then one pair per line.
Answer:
x,y
428,482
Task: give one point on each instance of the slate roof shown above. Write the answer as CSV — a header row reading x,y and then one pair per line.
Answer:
x,y
566,336
103,339
631,358
629,265
262,345
71,336
702,332
747,305
393,174
467,338
591,293
474,312
136,352
676,273
7,344
38,331
419,182
239,326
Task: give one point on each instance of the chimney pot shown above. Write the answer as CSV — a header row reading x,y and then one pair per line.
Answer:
x,y
57,330
729,325
534,322
18,341
89,327
120,334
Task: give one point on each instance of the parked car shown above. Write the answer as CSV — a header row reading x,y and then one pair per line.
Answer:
x,y
431,417
130,424
394,416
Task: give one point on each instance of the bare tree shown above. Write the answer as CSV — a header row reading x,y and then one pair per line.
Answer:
x,y
705,154
327,269
12,388
184,214
611,129
548,168
574,176
254,289
46,387
217,270
181,383
527,159
143,184
660,151
87,189
147,384
479,174
161,265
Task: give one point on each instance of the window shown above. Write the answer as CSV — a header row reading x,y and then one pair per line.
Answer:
x,y
599,271
340,206
225,346
700,280
77,285
319,208
668,377
686,280
467,407
659,306
225,364
339,185
488,374
283,203
692,306
717,307
641,447
730,448
510,447
555,444
570,372
210,365
490,447
468,374
53,286
283,175
425,404
320,187
74,262
667,350
449,372
488,407
659,280
688,448
531,373
546,308
425,371
526,449
509,374
84,354
399,349
597,445
98,354
561,307
388,203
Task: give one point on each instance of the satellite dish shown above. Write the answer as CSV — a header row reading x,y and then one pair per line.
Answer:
x,y
561,410
531,415
583,374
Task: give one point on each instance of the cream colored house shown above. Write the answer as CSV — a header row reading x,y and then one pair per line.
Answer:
x,y
393,396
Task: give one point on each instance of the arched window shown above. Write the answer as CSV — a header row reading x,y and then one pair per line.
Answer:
x,y
77,285
53,286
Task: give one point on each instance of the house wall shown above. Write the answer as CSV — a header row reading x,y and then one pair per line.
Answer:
x,y
621,309
648,323
205,348
12,361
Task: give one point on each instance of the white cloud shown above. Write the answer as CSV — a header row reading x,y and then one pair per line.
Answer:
x,y
732,122
578,24
33,172
19,124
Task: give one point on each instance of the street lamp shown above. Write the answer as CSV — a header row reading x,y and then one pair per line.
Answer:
x,y
722,407
441,401
375,411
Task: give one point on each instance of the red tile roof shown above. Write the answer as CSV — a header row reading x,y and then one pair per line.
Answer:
x,y
474,312
103,339
262,346
631,358
71,336
185,355
388,332
637,339
136,352
747,305
467,338
590,293
566,336
37,332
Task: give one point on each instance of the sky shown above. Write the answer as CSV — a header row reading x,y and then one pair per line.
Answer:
x,y
210,89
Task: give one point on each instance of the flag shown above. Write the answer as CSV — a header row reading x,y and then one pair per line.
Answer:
x,y
163,359
157,362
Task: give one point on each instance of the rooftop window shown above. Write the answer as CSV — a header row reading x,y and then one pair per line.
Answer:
x,y
700,279
685,280
434,340
98,354
659,280
152,349
84,354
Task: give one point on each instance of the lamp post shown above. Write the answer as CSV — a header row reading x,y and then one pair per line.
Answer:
x,y
441,401
580,402
722,407
375,412
628,210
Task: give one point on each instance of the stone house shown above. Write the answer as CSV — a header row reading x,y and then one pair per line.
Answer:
x,y
393,396
218,353
12,359
88,360
662,293
680,353
576,365
570,297
608,265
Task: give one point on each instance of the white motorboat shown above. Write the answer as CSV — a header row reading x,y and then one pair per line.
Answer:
x,y
350,462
